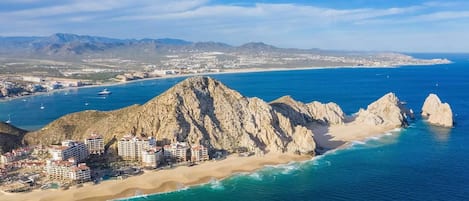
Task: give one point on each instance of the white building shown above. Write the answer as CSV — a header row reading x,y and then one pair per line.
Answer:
x,y
199,153
70,148
130,148
7,158
67,170
152,157
33,79
14,155
81,172
177,151
95,144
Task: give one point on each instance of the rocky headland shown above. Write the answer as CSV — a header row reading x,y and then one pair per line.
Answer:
x,y
436,112
203,110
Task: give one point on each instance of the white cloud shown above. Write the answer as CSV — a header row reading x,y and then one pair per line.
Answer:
x,y
290,23
285,11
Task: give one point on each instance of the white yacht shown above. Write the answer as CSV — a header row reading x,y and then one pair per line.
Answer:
x,y
9,120
104,92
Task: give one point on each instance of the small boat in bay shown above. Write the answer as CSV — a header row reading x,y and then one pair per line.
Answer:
x,y
9,120
104,92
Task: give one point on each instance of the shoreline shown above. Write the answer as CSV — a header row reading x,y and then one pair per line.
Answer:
x,y
171,180
182,177
345,146
230,71
161,181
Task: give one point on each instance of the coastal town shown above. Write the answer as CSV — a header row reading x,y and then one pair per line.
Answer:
x,y
103,166
20,77
73,163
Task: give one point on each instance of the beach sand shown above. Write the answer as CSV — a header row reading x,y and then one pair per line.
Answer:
x,y
158,181
333,137
337,136
327,137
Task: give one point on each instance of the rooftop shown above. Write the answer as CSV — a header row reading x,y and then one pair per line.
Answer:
x,y
94,136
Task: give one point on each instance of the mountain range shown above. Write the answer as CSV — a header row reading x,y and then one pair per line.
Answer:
x,y
71,45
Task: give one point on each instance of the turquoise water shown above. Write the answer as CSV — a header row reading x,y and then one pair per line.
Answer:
x,y
417,163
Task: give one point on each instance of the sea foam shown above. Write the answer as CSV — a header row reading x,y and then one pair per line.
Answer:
x,y
216,184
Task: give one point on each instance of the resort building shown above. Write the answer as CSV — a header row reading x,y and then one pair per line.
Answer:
x,y
152,157
69,149
7,158
3,173
177,151
199,153
81,172
131,147
14,155
67,170
95,144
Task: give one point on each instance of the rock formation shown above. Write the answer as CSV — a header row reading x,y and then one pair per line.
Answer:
x,y
436,112
387,111
197,110
203,110
329,114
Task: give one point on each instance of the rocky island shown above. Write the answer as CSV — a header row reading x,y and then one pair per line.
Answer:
x,y
201,110
436,112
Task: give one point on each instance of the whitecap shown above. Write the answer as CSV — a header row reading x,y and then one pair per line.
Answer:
x,y
397,129
216,184
374,138
182,189
180,186
285,168
356,142
290,168
255,176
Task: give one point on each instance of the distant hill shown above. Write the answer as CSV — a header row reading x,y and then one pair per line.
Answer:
x,y
81,51
72,45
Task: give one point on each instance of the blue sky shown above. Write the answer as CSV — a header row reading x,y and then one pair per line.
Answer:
x,y
396,25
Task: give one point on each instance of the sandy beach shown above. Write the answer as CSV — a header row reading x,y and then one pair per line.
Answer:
x,y
334,137
158,181
327,137
337,136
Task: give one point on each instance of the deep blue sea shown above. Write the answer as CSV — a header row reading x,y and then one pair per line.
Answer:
x,y
420,162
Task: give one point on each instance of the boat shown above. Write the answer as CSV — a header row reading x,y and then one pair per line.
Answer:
x,y
9,120
42,106
104,92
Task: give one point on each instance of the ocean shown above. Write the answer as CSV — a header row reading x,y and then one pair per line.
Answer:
x,y
420,162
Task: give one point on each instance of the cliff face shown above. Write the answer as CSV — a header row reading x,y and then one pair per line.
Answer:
x,y
329,114
387,111
10,137
436,112
203,110
197,110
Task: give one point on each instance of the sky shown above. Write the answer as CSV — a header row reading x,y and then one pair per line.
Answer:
x,y
371,25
